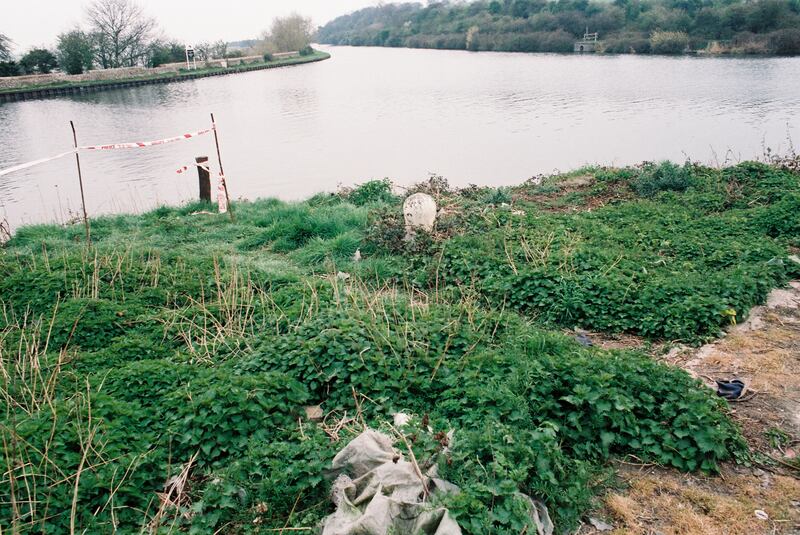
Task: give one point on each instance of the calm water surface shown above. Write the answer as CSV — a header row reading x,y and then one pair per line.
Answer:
x,y
487,118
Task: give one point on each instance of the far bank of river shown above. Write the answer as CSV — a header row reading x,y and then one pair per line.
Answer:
x,y
62,88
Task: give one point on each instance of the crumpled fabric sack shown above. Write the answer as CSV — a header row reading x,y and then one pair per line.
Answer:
x,y
378,492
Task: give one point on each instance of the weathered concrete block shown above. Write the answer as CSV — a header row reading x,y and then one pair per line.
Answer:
x,y
420,214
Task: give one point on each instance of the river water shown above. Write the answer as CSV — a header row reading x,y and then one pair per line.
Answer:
x,y
484,118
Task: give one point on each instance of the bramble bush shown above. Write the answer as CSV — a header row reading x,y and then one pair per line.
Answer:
x,y
666,176
781,219
374,191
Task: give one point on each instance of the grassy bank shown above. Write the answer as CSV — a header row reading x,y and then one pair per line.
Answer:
x,y
181,75
182,347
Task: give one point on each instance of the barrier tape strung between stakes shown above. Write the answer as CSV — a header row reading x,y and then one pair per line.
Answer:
x,y
137,145
22,166
143,144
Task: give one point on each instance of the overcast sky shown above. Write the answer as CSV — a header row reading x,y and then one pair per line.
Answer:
x,y
37,22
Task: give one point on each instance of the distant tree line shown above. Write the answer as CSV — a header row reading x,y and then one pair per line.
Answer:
x,y
118,33
625,26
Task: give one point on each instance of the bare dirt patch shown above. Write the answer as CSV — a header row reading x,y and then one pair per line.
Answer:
x,y
572,194
764,352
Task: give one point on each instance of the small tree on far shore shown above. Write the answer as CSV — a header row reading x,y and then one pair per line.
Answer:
x,y
219,50
785,42
163,52
288,34
202,51
8,67
5,48
75,51
122,32
38,61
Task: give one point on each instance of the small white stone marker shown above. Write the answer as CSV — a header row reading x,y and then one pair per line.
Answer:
x,y
419,211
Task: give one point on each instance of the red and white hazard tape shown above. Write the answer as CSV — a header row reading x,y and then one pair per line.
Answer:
x,y
143,144
184,168
35,162
137,145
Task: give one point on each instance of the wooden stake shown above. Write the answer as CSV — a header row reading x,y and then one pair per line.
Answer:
x,y
221,170
80,182
205,178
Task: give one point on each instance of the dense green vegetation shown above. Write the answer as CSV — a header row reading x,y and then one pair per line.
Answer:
x,y
158,377
635,26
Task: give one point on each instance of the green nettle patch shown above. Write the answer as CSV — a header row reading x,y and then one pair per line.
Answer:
x,y
664,266
157,380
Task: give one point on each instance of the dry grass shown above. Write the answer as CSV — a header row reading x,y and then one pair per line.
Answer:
x,y
174,501
221,319
5,231
26,381
667,502
770,358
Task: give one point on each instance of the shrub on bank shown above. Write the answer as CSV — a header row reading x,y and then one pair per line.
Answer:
x,y
633,43
373,191
785,42
669,42
665,176
781,220
750,44
10,68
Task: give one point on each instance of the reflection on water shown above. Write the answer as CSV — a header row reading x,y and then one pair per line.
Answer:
x,y
488,118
